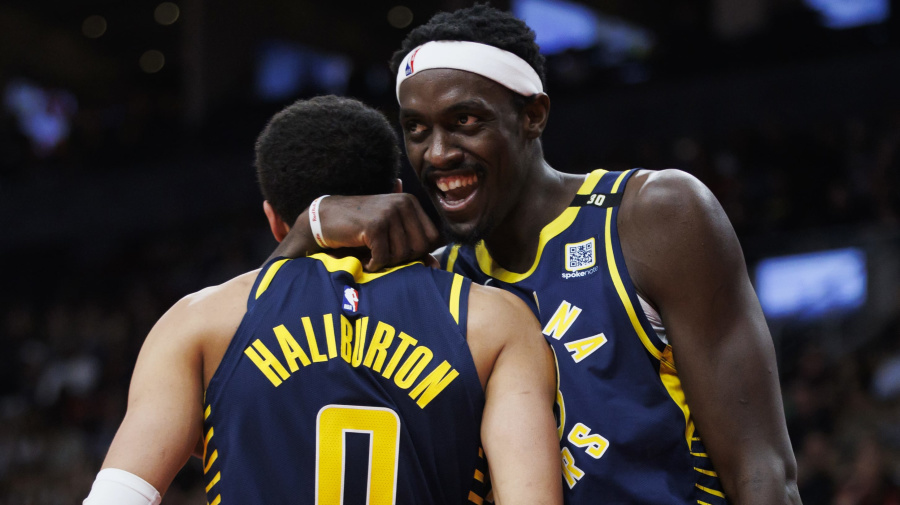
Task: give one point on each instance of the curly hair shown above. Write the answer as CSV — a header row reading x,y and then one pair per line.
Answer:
x,y
479,23
325,145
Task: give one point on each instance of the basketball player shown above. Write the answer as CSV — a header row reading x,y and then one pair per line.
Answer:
x,y
311,381
668,390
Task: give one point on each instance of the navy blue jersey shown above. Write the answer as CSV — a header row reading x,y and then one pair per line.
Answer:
x,y
342,386
626,432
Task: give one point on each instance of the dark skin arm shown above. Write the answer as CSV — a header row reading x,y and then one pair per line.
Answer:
x,y
392,226
684,257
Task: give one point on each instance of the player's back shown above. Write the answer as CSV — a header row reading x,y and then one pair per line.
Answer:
x,y
342,386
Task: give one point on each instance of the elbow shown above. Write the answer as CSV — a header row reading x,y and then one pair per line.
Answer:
x,y
773,481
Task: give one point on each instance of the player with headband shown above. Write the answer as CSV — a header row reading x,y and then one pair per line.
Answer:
x,y
668,390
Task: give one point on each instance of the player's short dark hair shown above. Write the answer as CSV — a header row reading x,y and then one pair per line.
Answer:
x,y
325,145
479,23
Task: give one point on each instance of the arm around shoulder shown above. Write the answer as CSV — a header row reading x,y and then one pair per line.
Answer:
x,y
518,429
684,257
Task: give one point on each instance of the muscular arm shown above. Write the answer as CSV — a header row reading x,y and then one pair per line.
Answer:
x,y
684,257
392,226
164,417
518,431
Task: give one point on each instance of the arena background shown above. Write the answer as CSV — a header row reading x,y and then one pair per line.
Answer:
x,y
126,182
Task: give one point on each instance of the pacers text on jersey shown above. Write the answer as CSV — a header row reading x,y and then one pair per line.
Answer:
x,y
406,361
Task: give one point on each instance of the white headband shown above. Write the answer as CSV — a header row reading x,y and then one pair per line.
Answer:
x,y
494,63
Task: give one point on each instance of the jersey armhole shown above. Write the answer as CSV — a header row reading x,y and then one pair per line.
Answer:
x,y
459,301
266,275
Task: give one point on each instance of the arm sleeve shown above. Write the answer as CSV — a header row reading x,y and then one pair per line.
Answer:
x,y
118,487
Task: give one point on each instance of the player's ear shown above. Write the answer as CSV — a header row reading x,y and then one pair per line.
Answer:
x,y
279,228
398,186
535,115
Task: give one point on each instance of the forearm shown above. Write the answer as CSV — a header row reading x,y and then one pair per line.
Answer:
x,y
769,482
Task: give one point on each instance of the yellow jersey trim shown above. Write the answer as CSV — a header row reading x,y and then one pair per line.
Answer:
x,y
552,229
451,257
707,472
667,372
710,491
454,296
672,383
620,287
353,267
270,274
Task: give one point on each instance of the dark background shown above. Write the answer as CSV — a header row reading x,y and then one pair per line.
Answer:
x,y
126,185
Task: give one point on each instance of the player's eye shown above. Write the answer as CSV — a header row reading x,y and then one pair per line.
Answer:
x,y
466,119
414,127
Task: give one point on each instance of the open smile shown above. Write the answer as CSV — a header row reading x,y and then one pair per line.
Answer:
x,y
455,191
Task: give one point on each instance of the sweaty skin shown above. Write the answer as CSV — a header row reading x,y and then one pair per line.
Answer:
x,y
516,368
679,247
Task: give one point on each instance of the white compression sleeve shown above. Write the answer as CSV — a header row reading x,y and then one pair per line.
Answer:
x,y
118,487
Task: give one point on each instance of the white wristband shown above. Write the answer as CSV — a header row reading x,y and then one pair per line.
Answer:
x,y
315,222
118,487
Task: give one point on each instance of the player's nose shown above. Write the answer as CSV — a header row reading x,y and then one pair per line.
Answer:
x,y
442,151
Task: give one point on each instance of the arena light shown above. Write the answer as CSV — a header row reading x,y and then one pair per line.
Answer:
x,y
812,285
166,13
152,61
93,27
560,25
284,69
842,14
400,16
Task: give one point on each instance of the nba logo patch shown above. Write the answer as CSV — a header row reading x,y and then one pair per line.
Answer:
x,y
351,299
581,255
411,62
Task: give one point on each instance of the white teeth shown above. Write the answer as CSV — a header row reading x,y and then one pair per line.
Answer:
x,y
446,184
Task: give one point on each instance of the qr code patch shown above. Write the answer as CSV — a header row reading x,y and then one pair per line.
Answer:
x,y
581,255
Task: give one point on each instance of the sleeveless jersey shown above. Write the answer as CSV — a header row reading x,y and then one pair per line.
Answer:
x,y
342,386
626,433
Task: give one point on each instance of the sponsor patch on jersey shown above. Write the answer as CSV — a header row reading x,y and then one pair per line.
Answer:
x,y
351,299
580,259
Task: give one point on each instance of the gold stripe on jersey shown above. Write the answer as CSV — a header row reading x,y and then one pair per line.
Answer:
x,y
707,472
208,462
554,228
270,274
710,491
667,372
353,267
451,257
454,296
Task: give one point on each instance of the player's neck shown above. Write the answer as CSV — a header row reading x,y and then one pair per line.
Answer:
x,y
513,243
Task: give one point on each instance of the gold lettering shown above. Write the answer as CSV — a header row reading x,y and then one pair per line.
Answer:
x,y
346,339
360,342
290,348
311,340
329,335
381,340
416,362
405,342
433,384
267,362
571,473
